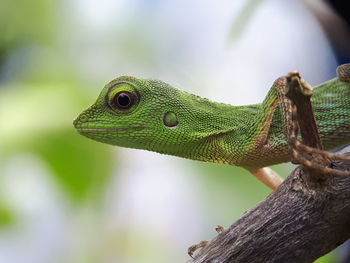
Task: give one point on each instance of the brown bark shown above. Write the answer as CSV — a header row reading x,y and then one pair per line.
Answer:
x,y
301,222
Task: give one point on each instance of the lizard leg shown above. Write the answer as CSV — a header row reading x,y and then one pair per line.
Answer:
x,y
268,177
302,154
204,243
220,229
195,247
275,99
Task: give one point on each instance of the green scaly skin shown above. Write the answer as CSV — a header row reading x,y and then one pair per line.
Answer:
x,y
163,119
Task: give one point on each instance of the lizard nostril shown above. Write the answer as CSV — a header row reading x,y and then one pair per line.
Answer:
x,y
80,119
83,118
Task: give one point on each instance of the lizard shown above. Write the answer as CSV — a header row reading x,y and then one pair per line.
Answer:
x,y
152,115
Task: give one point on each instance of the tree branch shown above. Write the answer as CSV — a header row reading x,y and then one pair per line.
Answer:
x,y
299,223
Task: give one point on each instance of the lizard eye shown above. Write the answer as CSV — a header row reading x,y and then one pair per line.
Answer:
x,y
122,100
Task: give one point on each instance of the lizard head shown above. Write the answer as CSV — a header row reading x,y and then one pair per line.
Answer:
x,y
150,115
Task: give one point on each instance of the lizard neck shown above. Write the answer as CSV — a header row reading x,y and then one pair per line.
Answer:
x,y
219,132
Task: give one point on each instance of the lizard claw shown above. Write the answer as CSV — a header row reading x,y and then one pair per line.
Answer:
x,y
220,229
194,248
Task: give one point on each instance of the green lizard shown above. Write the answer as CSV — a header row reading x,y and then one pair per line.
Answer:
x,y
152,115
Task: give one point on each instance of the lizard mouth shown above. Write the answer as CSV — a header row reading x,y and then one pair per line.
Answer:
x,y
87,129
93,127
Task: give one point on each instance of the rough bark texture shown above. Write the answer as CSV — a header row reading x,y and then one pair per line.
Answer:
x,y
299,223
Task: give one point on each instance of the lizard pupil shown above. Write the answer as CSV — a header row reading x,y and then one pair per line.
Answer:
x,y
123,100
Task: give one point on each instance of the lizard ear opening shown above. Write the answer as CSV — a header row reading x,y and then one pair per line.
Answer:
x,y
170,119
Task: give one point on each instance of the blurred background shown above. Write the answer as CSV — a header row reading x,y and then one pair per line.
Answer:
x,y
64,198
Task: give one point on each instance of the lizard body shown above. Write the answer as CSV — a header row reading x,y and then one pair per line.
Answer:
x,y
152,115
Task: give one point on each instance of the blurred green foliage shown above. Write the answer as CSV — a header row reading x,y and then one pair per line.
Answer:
x,y
81,167
25,22
7,216
42,124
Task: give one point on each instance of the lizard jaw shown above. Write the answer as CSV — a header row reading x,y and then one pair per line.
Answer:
x,y
98,127
87,129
